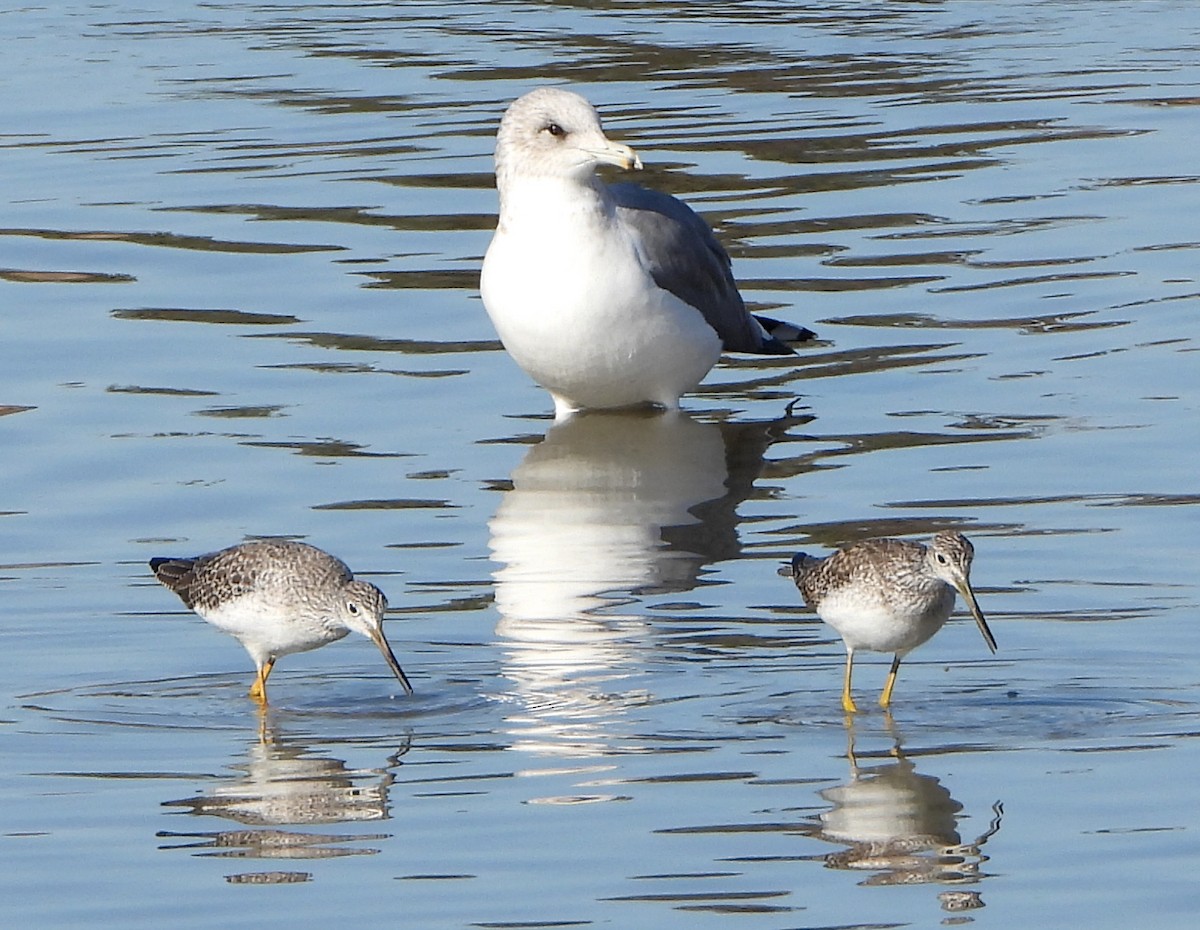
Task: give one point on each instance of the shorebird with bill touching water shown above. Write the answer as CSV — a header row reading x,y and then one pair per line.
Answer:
x,y
279,597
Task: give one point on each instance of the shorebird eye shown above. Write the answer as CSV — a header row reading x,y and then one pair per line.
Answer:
x,y
352,607
555,130
941,558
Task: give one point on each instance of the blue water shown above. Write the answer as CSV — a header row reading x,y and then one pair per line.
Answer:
x,y
238,264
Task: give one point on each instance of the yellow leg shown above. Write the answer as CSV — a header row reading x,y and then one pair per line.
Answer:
x,y
885,699
258,690
848,704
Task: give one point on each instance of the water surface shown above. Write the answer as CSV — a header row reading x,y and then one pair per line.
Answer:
x,y
239,257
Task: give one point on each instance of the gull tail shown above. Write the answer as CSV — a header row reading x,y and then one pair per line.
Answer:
x,y
780,333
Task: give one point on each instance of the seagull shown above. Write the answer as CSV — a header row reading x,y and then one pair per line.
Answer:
x,y
606,295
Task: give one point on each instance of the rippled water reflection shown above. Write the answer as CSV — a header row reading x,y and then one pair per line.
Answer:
x,y
240,259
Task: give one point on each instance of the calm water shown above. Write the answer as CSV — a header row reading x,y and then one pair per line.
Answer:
x,y
239,251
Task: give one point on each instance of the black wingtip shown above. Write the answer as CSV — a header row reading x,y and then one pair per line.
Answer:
x,y
782,333
773,346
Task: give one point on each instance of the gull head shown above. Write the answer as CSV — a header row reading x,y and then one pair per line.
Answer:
x,y
551,132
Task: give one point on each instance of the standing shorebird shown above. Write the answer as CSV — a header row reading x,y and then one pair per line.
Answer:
x,y
607,296
888,595
278,597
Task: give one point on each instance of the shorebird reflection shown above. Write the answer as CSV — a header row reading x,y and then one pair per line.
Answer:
x,y
284,783
901,826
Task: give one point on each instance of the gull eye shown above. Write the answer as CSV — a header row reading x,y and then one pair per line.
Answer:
x,y
555,130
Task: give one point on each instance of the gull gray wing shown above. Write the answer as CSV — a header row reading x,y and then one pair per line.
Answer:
x,y
685,258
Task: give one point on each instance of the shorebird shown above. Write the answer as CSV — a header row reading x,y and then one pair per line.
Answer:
x,y
888,595
606,295
278,597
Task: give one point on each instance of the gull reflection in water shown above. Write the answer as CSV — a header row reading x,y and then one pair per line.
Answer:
x,y
283,782
903,827
608,507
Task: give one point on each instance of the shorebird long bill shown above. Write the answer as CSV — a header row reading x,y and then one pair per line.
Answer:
x,y
980,621
378,638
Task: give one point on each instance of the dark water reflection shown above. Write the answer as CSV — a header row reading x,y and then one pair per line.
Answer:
x,y
240,255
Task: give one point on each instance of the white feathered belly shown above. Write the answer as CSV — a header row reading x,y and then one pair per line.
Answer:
x,y
266,629
582,316
874,624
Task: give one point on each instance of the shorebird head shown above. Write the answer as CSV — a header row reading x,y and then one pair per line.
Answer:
x,y
361,609
553,132
949,556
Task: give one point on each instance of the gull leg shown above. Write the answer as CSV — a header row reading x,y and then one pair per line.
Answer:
x,y
848,704
258,690
885,699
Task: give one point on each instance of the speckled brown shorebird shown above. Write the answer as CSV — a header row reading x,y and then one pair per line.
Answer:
x,y
888,595
279,597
